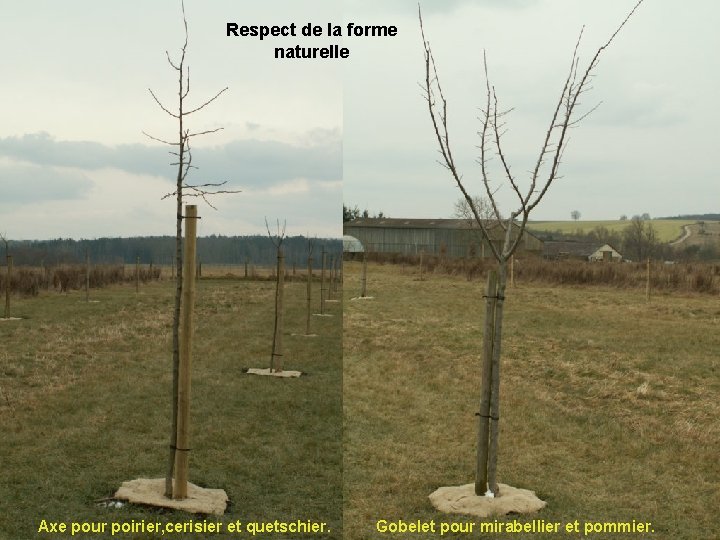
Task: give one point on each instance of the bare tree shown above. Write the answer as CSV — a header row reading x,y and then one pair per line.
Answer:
x,y
276,358
463,210
575,215
639,238
311,247
543,174
8,275
181,149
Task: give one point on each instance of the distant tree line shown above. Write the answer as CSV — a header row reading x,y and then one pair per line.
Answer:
x,y
212,249
355,213
638,241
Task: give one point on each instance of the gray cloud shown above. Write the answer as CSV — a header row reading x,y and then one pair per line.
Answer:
x,y
250,163
23,182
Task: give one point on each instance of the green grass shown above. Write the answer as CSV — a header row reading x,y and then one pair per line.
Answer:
x,y
609,404
85,406
667,229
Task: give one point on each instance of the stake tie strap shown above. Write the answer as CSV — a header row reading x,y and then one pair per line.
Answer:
x,y
180,449
497,296
490,416
191,217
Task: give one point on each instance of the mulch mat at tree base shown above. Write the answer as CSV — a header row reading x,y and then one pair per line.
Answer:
x,y
462,500
152,492
266,371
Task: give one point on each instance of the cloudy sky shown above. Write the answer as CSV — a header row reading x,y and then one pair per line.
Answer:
x,y
75,79
650,147
302,136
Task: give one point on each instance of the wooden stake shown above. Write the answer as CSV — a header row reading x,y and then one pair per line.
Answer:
x,y
647,281
363,279
182,445
481,471
137,274
9,260
309,294
512,270
322,282
422,252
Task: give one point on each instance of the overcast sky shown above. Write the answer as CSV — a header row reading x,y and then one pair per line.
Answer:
x,y
302,136
75,79
650,147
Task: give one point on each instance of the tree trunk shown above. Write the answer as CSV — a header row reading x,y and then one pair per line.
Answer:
x,y
176,330
276,363
9,260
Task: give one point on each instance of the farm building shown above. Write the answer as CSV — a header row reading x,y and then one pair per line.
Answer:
x,y
589,251
452,237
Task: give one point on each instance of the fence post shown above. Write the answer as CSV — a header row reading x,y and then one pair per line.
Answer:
x,y
512,270
309,294
9,260
87,275
363,279
322,282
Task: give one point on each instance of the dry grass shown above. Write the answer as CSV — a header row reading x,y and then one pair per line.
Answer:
x,y
609,404
681,277
84,406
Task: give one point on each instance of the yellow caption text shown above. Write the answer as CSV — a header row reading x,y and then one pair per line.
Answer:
x,y
135,527
535,526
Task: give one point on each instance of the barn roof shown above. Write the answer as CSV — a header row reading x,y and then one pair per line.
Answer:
x,y
403,223
406,223
579,249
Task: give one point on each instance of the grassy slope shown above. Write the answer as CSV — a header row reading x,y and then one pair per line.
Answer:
x,y
85,391
609,405
667,229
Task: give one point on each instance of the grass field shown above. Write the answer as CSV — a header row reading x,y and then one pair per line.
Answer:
x,y
84,406
666,229
609,404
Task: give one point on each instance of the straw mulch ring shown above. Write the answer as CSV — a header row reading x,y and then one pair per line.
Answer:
x,y
462,500
152,492
268,372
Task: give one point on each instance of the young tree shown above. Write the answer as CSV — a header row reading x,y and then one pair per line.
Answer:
x,y
310,248
276,357
575,215
8,276
183,154
544,172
